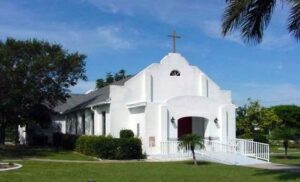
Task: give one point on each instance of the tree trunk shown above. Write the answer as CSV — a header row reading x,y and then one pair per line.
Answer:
x,y
285,145
194,157
2,134
16,135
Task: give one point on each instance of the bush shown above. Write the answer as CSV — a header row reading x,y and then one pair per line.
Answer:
x,y
65,141
110,148
261,138
130,148
126,134
39,140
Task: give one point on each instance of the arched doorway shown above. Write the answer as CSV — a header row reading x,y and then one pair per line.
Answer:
x,y
188,125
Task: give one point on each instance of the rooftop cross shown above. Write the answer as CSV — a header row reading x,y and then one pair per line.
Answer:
x,y
174,37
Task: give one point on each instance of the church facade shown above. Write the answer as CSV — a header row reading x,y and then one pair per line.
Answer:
x,y
161,103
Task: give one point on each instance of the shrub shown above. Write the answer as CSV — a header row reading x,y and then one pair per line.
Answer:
x,y
65,141
130,148
126,133
260,138
109,147
39,140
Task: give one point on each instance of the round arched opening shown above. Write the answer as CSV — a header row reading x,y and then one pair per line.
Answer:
x,y
189,125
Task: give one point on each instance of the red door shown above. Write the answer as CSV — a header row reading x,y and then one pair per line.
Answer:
x,y
184,126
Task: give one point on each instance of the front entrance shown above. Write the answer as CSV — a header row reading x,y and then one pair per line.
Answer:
x,y
184,126
188,125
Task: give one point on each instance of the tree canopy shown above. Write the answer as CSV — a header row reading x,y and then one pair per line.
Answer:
x,y
289,114
255,121
110,78
252,17
34,76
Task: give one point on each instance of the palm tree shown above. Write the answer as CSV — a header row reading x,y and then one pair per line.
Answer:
x,y
285,134
252,17
191,141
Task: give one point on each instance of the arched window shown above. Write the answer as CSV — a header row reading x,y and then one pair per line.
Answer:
x,y
175,73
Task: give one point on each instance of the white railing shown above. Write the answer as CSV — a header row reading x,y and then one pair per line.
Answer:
x,y
172,148
253,149
244,147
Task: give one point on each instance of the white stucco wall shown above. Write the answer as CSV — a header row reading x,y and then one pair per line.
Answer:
x,y
98,119
152,97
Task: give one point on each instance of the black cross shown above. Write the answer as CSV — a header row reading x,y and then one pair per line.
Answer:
x,y
174,37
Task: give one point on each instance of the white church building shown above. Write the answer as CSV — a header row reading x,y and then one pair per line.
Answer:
x,y
160,104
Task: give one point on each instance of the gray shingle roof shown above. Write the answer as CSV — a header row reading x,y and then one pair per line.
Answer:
x,y
81,101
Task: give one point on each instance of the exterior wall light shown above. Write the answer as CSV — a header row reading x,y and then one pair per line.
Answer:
x,y
172,120
216,121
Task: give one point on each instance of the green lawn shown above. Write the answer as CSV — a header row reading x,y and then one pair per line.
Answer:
x,y
10,152
141,171
138,171
277,156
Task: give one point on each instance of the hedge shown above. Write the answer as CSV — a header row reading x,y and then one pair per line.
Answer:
x,y
126,134
65,141
110,148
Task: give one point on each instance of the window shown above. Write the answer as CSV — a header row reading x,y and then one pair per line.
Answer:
x,y
138,129
207,88
227,125
93,123
175,73
83,123
103,123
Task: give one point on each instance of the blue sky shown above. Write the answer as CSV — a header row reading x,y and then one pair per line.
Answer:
x,y
132,34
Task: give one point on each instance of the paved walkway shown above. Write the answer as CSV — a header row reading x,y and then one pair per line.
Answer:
x,y
84,161
276,167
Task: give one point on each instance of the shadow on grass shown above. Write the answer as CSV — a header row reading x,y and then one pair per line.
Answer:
x,y
283,157
200,163
281,175
21,152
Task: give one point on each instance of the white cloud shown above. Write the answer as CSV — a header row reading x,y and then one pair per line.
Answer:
x,y
270,94
72,38
110,36
213,29
168,11
83,87
273,41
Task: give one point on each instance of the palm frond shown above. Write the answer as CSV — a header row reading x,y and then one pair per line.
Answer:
x,y
294,19
251,17
191,140
233,14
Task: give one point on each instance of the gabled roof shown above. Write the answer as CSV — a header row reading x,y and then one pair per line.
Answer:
x,y
80,101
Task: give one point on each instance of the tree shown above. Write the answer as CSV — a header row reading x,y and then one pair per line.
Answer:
x,y
100,83
285,134
252,17
110,78
289,114
191,141
34,74
255,121
120,75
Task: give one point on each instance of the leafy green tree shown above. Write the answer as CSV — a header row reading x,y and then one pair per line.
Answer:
x,y
252,17
110,78
100,83
120,75
255,121
285,134
289,114
34,74
191,141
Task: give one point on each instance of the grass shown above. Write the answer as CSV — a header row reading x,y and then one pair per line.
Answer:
x,y
36,171
141,171
21,152
277,156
